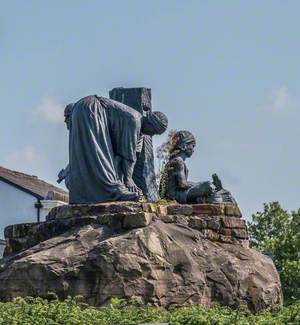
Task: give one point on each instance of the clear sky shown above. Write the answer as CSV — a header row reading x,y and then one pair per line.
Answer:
x,y
226,70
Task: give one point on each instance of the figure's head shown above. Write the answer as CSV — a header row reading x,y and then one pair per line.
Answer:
x,y
183,141
68,115
154,123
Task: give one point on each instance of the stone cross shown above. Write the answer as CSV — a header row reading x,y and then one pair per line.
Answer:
x,y
144,172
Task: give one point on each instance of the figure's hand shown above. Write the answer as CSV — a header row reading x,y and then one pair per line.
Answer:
x,y
130,184
217,182
61,176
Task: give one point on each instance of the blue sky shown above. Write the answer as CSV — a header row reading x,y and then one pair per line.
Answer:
x,y
226,70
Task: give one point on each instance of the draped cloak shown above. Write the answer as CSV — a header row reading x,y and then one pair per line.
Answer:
x,y
101,130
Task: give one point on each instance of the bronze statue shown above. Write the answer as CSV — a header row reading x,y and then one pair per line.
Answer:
x,y
144,174
104,141
174,182
64,174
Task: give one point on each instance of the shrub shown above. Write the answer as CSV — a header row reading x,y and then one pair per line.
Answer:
x,y
276,233
37,311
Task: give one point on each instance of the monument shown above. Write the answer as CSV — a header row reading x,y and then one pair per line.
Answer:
x,y
193,248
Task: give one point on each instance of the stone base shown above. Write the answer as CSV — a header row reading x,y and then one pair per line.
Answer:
x,y
217,222
160,254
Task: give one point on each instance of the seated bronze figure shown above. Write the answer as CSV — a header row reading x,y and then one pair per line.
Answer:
x,y
174,183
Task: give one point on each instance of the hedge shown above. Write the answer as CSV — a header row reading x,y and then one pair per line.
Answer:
x,y
38,311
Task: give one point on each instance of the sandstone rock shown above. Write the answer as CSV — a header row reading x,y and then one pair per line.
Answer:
x,y
114,221
233,210
212,235
23,236
209,209
162,210
77,210
197,223
183,209
213,223
240,233
124,251
166,218
149,207
225,231
137,220
231,222
226,239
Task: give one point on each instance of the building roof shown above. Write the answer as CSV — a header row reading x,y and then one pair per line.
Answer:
x,y
32,185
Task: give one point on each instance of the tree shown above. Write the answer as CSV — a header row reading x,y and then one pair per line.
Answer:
x,y
162,154
276,232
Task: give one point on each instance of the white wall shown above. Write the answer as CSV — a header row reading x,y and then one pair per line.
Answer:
x,y
2,247
47,205
16,206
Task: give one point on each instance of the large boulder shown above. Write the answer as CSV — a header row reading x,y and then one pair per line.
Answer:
x,y
163,255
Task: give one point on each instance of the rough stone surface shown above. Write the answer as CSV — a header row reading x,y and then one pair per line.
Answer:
x,y
183,209
132,250
209,209
231,222
137,220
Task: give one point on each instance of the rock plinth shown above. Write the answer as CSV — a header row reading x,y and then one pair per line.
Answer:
x,y
160,254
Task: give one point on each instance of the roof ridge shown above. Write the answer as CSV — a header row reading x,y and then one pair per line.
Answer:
x,y
17,172
30,182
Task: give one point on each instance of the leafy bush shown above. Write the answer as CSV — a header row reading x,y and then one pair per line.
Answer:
x,y
37,311
276,232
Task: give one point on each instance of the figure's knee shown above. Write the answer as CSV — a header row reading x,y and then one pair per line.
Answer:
x,y
206,188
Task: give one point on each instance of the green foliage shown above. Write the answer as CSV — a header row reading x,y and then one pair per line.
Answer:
x,y
162,184
163,202
162,153
276,232
37,311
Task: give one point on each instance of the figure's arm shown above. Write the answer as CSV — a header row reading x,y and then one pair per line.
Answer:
x,y
63,174
119,168
181,179
127,167
217,182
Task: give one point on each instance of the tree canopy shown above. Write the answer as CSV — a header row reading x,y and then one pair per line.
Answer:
x,y
276,232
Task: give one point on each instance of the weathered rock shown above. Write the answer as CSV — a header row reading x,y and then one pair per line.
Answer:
x,y
240,233
232,210
160,259
198,223
78,210
231,222
183,209
137,220
162,210
209,209
22,236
